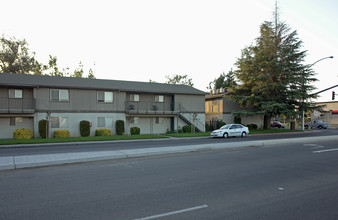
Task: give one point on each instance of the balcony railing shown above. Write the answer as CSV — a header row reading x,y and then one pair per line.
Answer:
x,y
152,107
8,105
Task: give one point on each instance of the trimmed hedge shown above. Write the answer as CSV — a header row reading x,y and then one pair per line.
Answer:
x,y
237,119
252,126
43,128
102,132
119,127
135,131
84,128
23,133
61,134
187,129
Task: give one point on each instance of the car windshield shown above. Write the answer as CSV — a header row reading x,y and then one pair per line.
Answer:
x,y
225,127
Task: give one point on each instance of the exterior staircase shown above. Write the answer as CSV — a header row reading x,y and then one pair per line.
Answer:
x,y
190,119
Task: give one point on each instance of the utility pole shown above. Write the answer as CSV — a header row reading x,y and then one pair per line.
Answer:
x,y
317,92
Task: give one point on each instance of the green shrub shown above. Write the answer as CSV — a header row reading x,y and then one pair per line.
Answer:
x,y
252,126
207,127
237,119
119,127
220,124
103,132
84,128
187,129
43,128
61,134
135,131
180,131
23,133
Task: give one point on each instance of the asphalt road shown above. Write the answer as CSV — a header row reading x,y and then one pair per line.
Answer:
x,y
293,181
119,145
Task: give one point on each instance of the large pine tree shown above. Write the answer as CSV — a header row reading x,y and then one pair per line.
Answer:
x,y
272,77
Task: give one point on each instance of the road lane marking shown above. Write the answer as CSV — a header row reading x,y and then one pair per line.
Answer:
x,y
174,212
313,146
323,151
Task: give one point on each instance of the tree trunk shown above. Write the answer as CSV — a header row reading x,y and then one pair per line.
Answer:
x,y
267,121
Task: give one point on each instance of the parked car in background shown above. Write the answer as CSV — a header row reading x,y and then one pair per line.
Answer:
x,y
316,124
277,124
231,130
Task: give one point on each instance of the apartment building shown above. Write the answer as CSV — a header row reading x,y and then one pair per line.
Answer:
x,y
218,107
65,101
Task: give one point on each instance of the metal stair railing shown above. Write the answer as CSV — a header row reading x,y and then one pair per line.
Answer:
x,y
190,118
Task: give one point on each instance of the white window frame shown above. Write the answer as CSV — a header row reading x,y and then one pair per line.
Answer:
x,y
15,121
101,122
158,120
15,93
63,95
133,120
106,95
134,97
159,98
62,122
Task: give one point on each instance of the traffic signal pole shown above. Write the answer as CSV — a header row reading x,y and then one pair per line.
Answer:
x,y
325,90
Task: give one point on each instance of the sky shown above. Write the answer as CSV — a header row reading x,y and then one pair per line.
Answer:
x,y
142,40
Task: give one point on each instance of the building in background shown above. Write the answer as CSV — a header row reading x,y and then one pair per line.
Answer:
x,y
329,114
218,107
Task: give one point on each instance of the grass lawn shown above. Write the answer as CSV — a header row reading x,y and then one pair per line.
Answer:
x,y
129,137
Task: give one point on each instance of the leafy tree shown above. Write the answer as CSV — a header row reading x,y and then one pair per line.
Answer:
x,y
91,74
179,79
224,81
53,69
78,72
15,57
273,80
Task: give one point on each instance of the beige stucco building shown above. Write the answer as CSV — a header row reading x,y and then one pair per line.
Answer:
x,y
218,107
329,114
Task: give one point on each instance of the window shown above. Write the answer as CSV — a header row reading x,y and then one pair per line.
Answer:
x,y
133,120
101,122
12,121
134,97
103,96
59,122
15,121
105,122
59,95
158,120
159,98
15,93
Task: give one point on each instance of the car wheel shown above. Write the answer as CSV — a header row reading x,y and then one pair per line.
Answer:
x,y
225,135
243,134
320,127
306,127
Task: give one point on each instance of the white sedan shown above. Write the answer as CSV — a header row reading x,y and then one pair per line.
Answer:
x,y
230,130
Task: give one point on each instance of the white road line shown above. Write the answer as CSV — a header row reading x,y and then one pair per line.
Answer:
x,y
313,146
323,151
174,212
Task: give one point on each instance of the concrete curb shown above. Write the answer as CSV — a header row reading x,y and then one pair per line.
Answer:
x,y
16,162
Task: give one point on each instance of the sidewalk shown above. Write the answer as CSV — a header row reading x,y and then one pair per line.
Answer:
x,y
16,162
